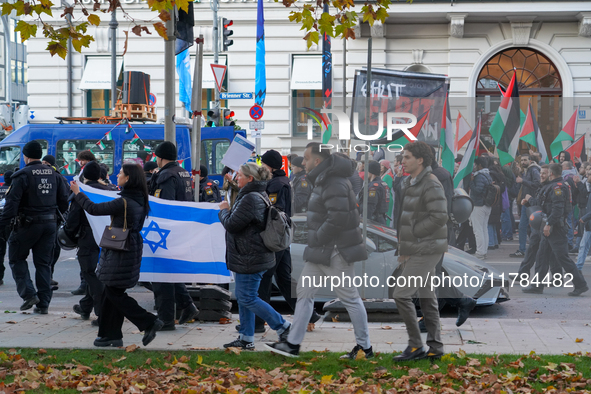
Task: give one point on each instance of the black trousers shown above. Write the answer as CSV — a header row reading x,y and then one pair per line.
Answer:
x,y
3,246
39,238
531,252
556,247
166,294
466,234
88,257
451,234
282,273
118,305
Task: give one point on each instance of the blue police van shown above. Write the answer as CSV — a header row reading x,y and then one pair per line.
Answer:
x,y
113,145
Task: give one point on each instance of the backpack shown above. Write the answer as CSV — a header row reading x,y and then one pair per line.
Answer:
x,y
279,228
493,193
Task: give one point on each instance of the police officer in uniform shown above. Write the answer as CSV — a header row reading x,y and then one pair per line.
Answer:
x,y
208,189
301,188
4,231
172,182
32,203
556,202
378,198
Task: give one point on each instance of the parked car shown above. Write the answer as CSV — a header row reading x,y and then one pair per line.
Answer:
x,y
382,243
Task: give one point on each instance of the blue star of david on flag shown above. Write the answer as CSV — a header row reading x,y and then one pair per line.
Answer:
x,y
153,227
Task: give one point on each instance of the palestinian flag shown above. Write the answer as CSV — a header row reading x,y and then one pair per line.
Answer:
x,y
135,138
566,134
530,133
447,142
101,144
154,159
109,136
148,148
577,149
463,132
182,163
467,164
505,125
128,128
69,170
400,138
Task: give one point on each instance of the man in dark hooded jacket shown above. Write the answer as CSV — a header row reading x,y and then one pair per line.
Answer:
x,y
208,190
334,245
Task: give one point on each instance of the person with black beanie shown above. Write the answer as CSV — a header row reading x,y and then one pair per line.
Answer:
x,y
208,189
34,196
171,182
150,167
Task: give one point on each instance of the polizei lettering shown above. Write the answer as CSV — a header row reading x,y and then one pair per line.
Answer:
x,y
43,172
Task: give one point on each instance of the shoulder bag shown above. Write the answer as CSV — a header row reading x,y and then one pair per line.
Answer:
x,y
115,238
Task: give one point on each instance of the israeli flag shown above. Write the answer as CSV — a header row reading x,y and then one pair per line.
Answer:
x,y
184,242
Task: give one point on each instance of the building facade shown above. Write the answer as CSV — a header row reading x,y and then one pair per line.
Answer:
x,y
478,44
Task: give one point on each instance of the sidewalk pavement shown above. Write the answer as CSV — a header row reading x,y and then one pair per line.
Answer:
x,y
501,336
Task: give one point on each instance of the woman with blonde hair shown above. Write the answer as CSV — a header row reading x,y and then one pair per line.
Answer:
x,y
246,254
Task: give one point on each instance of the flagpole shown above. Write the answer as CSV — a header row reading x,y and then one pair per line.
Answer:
x,y
366,161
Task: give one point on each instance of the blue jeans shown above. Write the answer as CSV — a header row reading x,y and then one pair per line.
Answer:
x,y
523,223
250,304
570,235
492,235
584,249
506,226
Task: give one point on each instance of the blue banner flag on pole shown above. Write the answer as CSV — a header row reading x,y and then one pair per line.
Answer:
x,y
260,84
183,69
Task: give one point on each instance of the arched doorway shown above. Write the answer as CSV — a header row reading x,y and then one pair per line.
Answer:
x,y
539,82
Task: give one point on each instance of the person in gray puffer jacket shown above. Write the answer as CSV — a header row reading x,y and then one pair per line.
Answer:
x,y
422,241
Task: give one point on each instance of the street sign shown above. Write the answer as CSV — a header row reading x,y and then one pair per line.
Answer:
x,y
256,112
152,99
256,125
582,114
219,73
255,133
236,96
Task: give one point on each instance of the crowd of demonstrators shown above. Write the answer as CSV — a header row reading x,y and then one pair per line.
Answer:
x,y
246,254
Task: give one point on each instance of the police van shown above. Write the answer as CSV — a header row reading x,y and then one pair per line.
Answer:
x,y
113,145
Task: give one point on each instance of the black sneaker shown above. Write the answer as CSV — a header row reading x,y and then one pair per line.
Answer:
x,y
54,283
284,348
257,330
189,313
283,336
411,354
239,343
106,342
315,317
352,355
433,355
150,332
518,254
79,291
579,291
41,310
28,304
78,309
168,326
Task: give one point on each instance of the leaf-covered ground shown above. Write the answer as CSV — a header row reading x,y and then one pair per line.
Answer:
x,y
135,370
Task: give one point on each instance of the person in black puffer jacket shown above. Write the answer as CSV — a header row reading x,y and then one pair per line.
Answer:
x,y
246,254
494,220
120,270
334,245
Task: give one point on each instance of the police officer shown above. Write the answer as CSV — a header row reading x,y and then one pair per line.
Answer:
x,y
301,188
378,198
32,203
556,203
49,160
4,231
172,182
208,190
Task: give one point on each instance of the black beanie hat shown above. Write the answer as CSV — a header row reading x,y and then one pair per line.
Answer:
x,y
203,171
273,159
298,162
150,165
166,151
92,171
50,159
374,168
33,150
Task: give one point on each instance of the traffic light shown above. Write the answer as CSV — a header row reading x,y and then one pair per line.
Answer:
x,y
214,117
226,32
228,115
